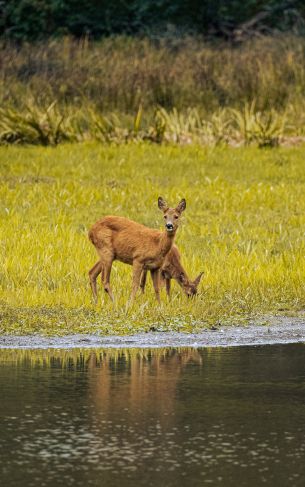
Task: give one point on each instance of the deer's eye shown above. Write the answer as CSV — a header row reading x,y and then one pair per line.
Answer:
x,y
165,216
175,216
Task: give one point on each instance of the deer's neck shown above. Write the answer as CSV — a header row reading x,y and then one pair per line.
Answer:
x,y
178,269
166,242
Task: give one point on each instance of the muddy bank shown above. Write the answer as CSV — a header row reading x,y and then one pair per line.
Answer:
x,y
280,330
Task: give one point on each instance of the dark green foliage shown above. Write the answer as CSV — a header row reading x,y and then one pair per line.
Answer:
x,y
36,19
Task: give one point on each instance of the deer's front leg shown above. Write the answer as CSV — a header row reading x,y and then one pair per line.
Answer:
x,y
155,280
137,269
168,287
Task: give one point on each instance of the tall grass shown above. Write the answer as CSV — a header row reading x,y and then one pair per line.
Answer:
x,y
244,226
131,88
119,73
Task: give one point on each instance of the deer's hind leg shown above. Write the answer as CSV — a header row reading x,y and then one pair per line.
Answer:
x,y
93,273
168,287
137,269
106,271
143,281
106,259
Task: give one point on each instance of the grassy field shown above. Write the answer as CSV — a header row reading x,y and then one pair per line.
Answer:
x,y
244,226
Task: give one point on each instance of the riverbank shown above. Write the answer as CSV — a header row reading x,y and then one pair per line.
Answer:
x,y
279,330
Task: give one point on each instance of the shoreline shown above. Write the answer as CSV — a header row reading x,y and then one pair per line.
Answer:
x,y
281,330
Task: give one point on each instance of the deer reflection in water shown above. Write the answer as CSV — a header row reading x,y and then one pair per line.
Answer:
x,y
138,381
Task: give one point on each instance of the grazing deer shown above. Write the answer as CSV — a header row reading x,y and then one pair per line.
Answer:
x,y
117,238
173,269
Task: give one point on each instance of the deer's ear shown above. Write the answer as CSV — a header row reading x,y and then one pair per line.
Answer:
x,y
182,205
197,280
163,206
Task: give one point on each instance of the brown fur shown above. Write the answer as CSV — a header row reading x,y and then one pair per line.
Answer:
x,y
117,238
173,269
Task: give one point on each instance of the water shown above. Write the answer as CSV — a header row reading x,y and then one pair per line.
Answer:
x,y
227,417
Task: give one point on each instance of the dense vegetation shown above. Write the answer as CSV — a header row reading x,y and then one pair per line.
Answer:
x,y
244,226
36,19
122,89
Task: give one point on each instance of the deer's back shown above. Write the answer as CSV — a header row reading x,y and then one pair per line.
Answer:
x,y
124,237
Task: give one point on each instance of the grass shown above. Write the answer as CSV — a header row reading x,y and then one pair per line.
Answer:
x,y
178,90
244,226
119,73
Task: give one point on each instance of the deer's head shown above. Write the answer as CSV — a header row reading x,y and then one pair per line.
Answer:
x,y
171,215
188,286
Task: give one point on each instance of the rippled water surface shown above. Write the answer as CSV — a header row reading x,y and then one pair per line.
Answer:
x,y
229,417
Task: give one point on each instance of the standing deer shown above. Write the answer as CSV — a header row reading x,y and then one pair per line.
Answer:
x,y
118,238
173,269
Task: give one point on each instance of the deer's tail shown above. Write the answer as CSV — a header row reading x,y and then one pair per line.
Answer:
x,y
92,237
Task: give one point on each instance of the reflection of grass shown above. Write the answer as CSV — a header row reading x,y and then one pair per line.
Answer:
x,y
244,225
91,358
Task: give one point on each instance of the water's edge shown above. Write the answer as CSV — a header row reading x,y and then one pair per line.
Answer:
x,y
280,330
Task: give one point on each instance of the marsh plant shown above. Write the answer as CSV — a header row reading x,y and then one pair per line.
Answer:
x,y
53,125
251,125
36,125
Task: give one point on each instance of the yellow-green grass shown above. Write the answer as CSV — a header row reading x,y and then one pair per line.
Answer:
x,y
244,226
